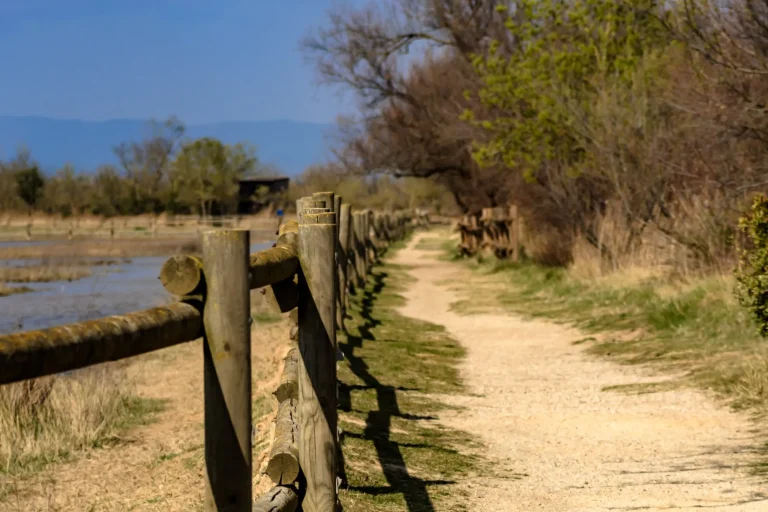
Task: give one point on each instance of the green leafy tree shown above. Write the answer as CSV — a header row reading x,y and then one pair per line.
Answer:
x,y
9,190
67,193
22,181
109,193
28,177
566,51
30,183
206,173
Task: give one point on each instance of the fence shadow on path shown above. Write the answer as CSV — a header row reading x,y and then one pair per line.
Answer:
x,y
378,424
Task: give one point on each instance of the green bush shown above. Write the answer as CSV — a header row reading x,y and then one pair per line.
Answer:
x,y
752,274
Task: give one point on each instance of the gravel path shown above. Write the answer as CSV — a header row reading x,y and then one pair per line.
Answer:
x,y
536,401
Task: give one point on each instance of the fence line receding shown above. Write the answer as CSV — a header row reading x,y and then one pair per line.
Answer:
x,y
310,272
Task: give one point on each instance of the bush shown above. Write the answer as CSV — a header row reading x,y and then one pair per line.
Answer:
x,y
752,274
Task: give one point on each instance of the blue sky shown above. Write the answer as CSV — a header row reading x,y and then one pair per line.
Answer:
x,y
203,60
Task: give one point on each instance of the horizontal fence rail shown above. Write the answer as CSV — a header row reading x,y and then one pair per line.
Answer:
x,y
34,354
310,272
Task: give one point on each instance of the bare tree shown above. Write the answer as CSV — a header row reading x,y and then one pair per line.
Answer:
x,y
411,109
146,163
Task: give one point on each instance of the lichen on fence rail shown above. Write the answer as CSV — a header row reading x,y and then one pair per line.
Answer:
x,y
44,352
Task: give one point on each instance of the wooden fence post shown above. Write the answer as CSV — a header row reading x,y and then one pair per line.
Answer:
x,y
515,231
227,371
366,242
359,248
474,226
344,221
339,257
299,209
317,366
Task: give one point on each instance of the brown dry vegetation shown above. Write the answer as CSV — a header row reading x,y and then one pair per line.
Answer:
x,y
10,290
144,415
46,419
667,155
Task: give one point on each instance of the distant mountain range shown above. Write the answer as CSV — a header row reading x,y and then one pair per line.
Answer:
x,y
290,145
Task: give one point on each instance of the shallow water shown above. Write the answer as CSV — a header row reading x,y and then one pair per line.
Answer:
x,y
110,290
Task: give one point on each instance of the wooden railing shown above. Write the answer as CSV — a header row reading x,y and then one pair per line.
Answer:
x,y
496,231
309,272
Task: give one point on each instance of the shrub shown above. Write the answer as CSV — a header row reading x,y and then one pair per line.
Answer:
x,y
752,274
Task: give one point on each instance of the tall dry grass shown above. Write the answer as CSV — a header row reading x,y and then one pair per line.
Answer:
x,y
47,419
695,241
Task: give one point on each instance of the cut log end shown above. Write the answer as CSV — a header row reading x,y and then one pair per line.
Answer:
x,y
283,468
182,274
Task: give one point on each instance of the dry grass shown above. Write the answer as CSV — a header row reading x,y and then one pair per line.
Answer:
x,y
10,290
47,419
160,464
43,273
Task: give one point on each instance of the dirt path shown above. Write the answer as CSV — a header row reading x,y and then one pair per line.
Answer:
x,y
537,403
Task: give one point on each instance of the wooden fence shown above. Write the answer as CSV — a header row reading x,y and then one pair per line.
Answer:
x,y
309,272
496,231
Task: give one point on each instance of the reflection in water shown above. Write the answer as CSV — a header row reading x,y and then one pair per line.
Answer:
x,y
108,291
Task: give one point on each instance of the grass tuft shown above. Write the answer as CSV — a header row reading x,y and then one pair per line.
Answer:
x,y
47,419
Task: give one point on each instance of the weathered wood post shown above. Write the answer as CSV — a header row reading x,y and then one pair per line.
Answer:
x,y
357,229
344,221
328,198
471,234
299,209
353,264
317,365
337,263
398,226
388,226
373,252
227,371
365,221
515,231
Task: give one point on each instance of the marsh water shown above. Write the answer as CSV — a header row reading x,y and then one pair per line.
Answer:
x,y
125,286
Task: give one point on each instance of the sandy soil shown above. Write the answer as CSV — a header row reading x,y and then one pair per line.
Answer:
x,y
158,466
561,443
